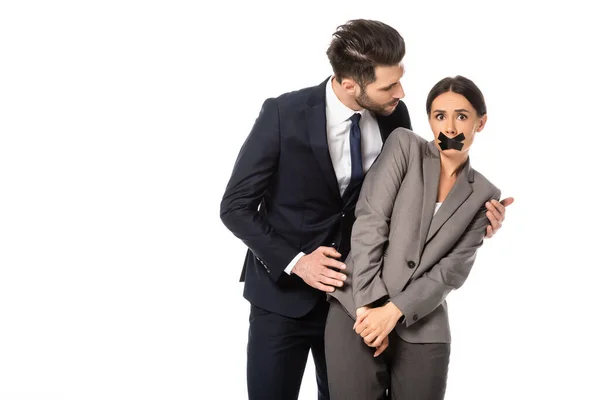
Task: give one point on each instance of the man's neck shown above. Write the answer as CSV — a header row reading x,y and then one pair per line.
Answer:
x,y
344,97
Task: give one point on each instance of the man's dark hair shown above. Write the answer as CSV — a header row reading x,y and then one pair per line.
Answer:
x,y
360,45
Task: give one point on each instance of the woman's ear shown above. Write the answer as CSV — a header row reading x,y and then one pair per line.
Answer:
x,y
481,124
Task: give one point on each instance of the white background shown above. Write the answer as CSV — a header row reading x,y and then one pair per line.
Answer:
x,y
119,125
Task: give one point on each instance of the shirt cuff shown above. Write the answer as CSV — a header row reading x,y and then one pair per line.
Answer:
x,y
288,269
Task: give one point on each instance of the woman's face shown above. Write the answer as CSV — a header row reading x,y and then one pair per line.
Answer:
x,y
452,115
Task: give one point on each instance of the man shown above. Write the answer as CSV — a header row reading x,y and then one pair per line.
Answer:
x,y
292,194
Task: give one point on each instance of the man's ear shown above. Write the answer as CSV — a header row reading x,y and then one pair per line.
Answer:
x,y
350,86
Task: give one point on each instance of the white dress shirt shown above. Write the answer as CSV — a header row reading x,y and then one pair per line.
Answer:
x,y
338,140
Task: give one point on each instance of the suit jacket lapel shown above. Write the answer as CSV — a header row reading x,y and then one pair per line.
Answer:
x,y
460,192
317,133
384,130
431,177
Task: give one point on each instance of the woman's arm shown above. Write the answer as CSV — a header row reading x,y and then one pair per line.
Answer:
x,y
373,211
427,292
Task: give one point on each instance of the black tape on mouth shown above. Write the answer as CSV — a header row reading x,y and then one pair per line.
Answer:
x,y
451,143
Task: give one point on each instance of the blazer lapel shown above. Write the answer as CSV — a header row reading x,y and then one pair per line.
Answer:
x,y
460,192
317,133
384,129
431,178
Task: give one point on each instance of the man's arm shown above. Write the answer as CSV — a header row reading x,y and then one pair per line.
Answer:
x,y
254,168
256,164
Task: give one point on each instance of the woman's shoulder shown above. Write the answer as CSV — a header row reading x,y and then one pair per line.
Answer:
x,y
485,186
407,140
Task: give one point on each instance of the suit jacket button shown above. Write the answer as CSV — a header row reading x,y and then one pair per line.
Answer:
x,y
415,317
411,264
343,215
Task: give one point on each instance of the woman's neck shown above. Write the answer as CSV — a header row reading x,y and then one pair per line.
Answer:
x,y
451,165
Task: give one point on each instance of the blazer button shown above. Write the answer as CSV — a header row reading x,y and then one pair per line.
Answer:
x,y
415,317
343,215
411,264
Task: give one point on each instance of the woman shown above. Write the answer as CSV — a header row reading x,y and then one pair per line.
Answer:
x,y
420,219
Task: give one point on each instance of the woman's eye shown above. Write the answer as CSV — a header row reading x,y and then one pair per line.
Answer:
x,y
462,117
439,117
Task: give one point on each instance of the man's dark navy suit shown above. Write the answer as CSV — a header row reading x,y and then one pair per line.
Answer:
x,y
283,198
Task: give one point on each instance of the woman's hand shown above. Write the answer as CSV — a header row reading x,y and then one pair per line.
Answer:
x,y
361,310
496,214
375,324
384,345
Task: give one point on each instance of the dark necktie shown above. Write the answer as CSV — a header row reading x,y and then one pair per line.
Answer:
x,y
356,175
351,193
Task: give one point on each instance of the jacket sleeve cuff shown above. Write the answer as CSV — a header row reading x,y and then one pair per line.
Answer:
x,y
374,292
410,314
288,269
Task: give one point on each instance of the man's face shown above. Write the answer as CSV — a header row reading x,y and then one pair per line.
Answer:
x,y
383,95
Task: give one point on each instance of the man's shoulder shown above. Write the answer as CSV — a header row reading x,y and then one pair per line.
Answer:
x,y
400,111
399,118
300,97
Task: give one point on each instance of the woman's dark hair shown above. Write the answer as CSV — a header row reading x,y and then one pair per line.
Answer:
x,y
360,45
463,86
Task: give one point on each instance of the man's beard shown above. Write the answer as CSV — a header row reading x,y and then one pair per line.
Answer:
x,y
365,102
